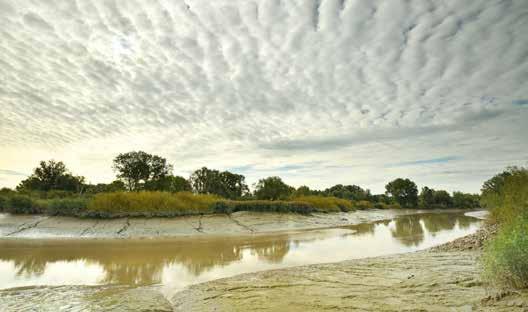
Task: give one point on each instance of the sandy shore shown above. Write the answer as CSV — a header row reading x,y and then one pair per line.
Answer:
x,y
421,281
240,223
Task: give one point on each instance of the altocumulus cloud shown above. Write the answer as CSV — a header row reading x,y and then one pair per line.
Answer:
x,y
348,86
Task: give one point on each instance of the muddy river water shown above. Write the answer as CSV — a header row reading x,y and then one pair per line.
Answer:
x,y
172,264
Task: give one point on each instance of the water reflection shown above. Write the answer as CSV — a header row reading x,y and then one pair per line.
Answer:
x,y
191,260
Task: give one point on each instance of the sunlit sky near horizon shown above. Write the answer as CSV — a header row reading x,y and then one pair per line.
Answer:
x,y
318,92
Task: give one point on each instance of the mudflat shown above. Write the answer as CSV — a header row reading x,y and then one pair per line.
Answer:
x,y
46,227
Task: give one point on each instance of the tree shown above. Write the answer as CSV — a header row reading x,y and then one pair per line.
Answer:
x,y
115,186
169,183
272,188
51,175
426,198
464,200
304,190
492,189
225,184
139,168
442,199
404,192
350,192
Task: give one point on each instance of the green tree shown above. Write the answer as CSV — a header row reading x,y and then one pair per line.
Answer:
x,y
404,192
51,175
139,168
272,188
492,189
304,190
350,192
169,183
464,200
225,184
115,186
442,199
426,198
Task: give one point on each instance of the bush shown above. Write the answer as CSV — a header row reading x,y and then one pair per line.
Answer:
x,y
505,258
149,204
230,206
74,207
3,203
511,200
363,205
326,204
22,204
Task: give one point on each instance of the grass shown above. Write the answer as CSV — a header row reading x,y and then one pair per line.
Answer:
x,y
165,204
150,204
505,258
326,204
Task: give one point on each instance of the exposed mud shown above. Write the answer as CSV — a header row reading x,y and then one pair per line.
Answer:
x,y
83,298
239,223
421,281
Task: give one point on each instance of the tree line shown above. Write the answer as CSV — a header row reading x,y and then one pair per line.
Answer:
x,y
139,171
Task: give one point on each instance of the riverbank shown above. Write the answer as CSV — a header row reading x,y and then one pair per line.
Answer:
x,y
442,278
238,223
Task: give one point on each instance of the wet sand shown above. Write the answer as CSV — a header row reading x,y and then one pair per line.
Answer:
x,y
420,281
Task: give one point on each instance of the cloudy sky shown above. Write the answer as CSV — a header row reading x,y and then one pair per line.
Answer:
x,y
319,92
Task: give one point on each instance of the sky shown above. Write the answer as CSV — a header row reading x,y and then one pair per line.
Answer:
x,y
319,92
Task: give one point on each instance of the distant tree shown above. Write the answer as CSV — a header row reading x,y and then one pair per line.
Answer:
x,y
492,189
225,184
303,191
169,183
51,175
404,192
272,188
442,199
139,168
351,192
426,198
464,200
115,186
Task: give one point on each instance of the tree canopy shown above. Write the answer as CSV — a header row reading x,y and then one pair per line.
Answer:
x,y
272,188
226,184
51,175
404,192
139,168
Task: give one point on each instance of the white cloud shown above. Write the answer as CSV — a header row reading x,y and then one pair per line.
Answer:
x,y
333,83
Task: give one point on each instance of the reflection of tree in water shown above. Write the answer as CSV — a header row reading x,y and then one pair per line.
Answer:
x,y
274,252
435,222
143,263
408,230
464,222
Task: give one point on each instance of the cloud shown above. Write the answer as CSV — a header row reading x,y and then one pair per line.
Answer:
x,y
520,102
264,85
12,173
431,161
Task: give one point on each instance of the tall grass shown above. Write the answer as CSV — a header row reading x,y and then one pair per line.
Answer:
x,y
150,204
230,206
512,200
326,204
505,258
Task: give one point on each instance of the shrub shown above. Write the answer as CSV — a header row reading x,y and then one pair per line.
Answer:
x,y
22,204
505,258
230,206
363,205
3,203
512,198
149,204
327,204
75,206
